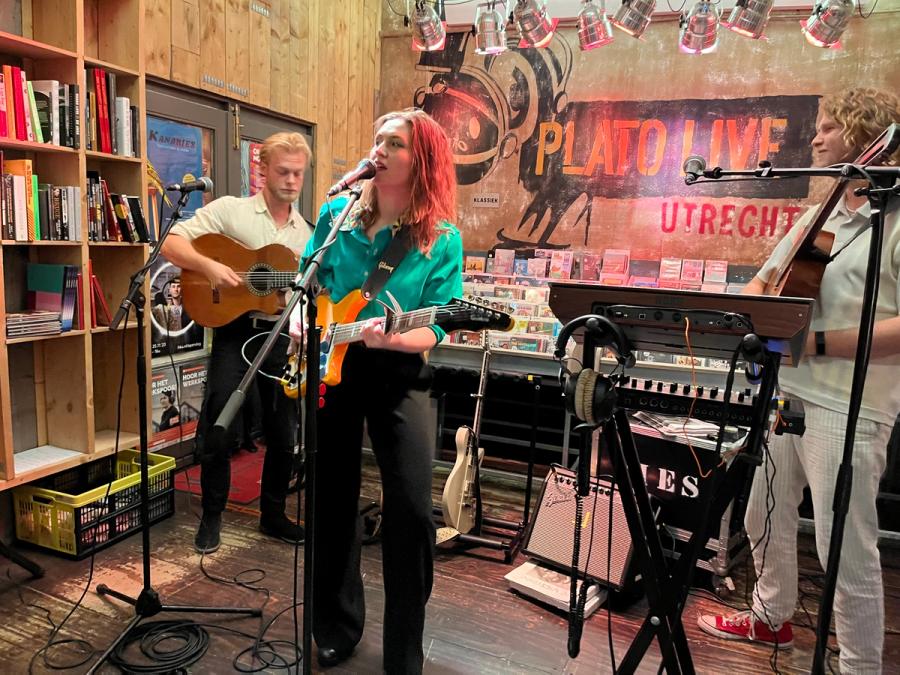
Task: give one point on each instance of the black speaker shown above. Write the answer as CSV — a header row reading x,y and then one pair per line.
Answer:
x,y
551,532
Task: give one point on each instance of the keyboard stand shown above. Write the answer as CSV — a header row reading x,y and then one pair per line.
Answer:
x,y
667,583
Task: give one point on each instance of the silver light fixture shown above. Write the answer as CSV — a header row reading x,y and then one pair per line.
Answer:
x,y
634,16
828,22
594,29
490,30
535,25
429,34
700,29
749,17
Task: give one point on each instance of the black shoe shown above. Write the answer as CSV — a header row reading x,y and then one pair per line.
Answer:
x,y
207,539
329,657
281,527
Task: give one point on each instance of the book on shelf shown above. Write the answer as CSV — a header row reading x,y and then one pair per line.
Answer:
x,y
53,287
47,108
4,127
100,314
23,168
37,132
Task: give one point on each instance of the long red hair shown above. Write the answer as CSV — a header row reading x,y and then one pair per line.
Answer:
x,y
433,190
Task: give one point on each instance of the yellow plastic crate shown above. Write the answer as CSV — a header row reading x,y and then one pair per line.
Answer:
x,y
70,513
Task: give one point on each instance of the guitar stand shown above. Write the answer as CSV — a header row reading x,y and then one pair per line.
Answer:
x,y
667,588
25,563
510,544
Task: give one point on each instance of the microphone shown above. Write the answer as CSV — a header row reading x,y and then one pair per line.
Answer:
x,y
202,184
365,169
693,168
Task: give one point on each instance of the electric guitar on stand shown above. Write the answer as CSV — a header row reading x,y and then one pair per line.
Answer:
x,y
461,500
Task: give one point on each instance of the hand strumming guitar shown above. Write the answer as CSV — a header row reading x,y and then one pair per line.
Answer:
x,y
220,275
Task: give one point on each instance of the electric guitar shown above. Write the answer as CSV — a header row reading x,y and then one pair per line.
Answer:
x,y
461,499
264,271
339,329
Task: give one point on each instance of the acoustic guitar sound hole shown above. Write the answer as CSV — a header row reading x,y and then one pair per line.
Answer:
x,y
259,279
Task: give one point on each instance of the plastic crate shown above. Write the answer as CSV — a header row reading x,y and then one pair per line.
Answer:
x,y
71,514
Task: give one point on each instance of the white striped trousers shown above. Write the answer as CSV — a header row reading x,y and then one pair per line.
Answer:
x,y
814,459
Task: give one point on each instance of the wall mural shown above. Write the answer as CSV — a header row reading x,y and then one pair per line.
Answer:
x,y
538,170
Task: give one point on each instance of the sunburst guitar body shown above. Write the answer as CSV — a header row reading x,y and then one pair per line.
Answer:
x,y
340,329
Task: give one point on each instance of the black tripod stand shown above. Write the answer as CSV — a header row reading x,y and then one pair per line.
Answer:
x,y
36,570
148,603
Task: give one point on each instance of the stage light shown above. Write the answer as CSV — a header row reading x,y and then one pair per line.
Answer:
x,y
828,22
700,29
594,29
535,26
490,30
749,17
634,16
429,33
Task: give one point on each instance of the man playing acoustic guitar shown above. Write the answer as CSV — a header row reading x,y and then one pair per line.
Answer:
x,y
265,218
847,123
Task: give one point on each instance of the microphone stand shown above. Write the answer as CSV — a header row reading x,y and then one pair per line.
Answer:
x,y
304,285
881,179
148,602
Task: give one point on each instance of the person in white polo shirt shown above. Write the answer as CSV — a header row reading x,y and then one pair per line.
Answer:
x,y
846,124
267,217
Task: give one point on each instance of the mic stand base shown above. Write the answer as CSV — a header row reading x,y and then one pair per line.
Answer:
x,y
25,563
147,603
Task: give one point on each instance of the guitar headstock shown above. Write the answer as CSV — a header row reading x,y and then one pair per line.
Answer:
x,y
472,315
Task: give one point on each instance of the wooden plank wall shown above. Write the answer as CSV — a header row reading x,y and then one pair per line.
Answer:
x,y
314,60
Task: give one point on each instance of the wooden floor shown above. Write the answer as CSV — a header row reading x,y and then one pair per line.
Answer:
x,y
475,624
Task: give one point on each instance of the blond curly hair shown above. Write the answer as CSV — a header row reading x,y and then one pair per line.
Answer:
x,y
863,113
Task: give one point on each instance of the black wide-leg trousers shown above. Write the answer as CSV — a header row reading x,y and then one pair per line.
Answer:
x,y
385,390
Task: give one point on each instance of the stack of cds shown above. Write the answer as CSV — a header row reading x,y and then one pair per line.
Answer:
x,y
32,322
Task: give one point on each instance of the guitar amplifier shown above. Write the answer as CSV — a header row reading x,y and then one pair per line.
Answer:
x,y
550,535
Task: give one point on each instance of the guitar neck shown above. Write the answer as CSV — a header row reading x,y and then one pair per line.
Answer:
x,y
482,382
399,323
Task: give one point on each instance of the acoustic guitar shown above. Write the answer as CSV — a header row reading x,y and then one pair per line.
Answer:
x,y
461,499
800,275
339,329
263,271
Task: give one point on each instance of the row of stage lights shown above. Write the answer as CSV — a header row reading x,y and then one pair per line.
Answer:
x,y
530,25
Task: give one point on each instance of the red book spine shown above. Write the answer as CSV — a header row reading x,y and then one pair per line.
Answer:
x,y
19,105
102,110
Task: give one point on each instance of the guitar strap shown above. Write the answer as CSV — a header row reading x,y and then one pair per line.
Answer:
x,y
390,259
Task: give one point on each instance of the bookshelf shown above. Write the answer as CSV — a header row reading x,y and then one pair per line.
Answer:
x,y
59,394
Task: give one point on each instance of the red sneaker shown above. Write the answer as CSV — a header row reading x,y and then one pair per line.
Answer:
x,y
742,626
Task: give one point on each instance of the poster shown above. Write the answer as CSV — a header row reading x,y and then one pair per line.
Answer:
x,y
176,153
252,180
172,331
165,398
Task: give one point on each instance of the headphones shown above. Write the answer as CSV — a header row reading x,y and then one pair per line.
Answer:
x,y
591,396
